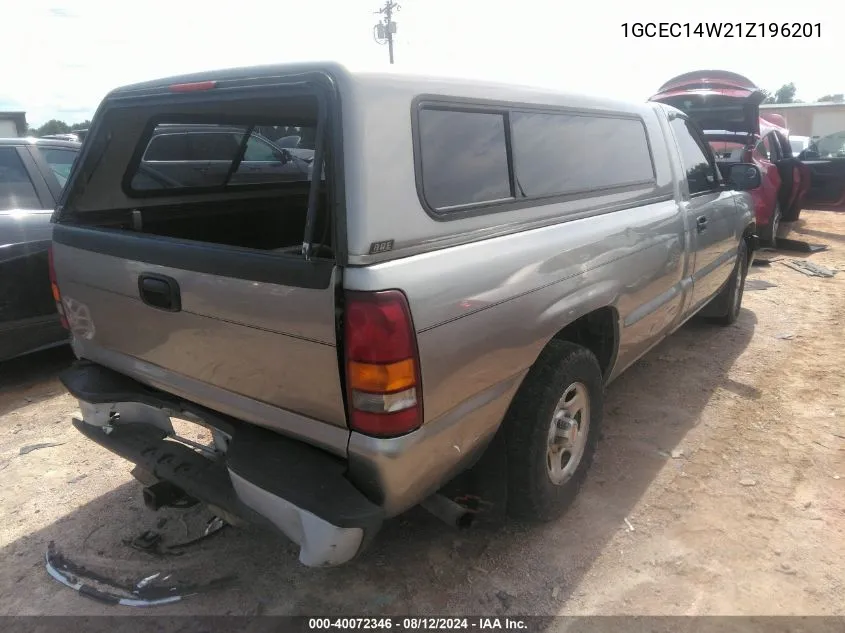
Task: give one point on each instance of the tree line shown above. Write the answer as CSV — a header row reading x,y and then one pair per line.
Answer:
x,y
787,92
54,126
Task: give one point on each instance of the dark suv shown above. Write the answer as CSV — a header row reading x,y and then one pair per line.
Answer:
x,y
32,175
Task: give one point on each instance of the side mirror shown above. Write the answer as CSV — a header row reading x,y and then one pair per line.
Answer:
x,y
744,176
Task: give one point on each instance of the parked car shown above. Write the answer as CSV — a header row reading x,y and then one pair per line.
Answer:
x,y
32,174
825,159
200,156
727,108
477,265
799,144
70,136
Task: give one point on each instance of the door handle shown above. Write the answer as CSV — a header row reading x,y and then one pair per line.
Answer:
x,y
159,291
701,223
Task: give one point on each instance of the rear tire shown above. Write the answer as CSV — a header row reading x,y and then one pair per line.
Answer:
x,y
551,431
769,234
731,295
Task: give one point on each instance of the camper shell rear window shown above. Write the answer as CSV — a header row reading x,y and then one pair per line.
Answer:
x,y
178,157
206,168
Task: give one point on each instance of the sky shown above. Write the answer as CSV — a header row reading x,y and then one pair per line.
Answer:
x,y
63,56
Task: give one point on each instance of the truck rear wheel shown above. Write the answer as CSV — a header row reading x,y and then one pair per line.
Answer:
x,y
730,297
551,430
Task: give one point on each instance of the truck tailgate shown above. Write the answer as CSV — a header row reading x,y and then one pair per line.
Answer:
x,y
201,286
268,342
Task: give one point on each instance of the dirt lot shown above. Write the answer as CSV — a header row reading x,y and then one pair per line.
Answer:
x,y
719,488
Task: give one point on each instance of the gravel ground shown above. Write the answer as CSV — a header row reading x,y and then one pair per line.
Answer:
x,y
719,488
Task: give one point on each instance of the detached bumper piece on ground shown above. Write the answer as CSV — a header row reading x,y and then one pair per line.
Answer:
x,y
809,268
264,478
151,591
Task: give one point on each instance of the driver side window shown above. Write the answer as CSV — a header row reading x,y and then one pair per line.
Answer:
x,y
700,170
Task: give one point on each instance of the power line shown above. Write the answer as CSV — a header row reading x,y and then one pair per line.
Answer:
x,y
385,29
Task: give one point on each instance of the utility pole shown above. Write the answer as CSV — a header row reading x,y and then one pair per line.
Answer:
x,y
386,28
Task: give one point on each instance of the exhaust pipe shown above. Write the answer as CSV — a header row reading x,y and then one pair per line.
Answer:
x,y
448,511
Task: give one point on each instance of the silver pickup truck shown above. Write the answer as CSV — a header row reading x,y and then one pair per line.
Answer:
x,y
476,263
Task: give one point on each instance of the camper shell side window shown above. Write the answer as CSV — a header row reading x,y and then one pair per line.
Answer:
x,y
476,158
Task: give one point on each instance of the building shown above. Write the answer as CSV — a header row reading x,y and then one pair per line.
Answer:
x,y
12,124
809,119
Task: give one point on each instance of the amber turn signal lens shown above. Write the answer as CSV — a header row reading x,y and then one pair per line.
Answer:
x,y
377,378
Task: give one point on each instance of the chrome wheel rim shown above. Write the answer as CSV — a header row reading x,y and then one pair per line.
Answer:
x,y
568,432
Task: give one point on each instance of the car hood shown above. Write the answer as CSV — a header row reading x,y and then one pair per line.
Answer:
x,y
715,100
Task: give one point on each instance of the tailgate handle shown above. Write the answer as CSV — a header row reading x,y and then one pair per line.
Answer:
x,y
160,292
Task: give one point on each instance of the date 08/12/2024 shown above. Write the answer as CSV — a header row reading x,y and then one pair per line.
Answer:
x,y
722,29
419,623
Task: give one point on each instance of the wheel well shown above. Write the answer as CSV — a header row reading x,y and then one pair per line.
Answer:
x,y
598,331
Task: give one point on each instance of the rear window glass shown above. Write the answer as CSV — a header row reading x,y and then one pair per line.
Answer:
x,y
60,162
464,157
16,189
563,153
202,156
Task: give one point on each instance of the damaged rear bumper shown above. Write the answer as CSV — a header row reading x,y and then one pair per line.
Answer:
x,y
262,477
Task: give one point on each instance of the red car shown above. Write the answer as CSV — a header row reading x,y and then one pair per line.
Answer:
x,y
726,106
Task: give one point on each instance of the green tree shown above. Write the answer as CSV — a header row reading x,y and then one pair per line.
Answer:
x,y
834,98
786,94
53,126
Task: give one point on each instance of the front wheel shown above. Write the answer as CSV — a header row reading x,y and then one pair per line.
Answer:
x,y
552,429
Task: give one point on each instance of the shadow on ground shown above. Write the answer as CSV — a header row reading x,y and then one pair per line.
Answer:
x,y
825,235
417,564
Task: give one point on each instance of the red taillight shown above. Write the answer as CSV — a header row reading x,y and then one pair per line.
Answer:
x,y
382,364
194,86
54,288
